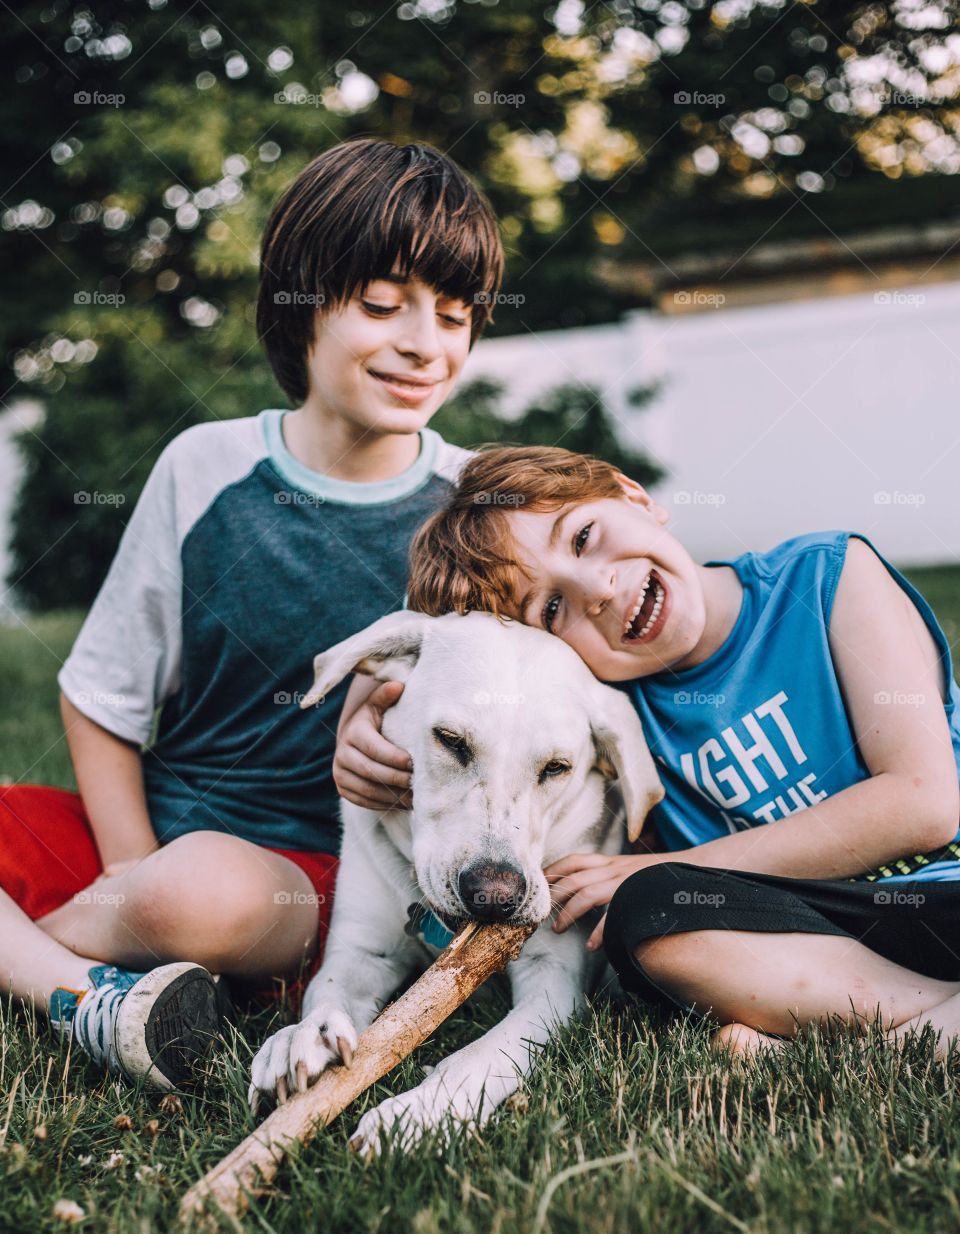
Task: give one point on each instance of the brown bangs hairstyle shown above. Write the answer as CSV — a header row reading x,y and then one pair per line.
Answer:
x,y
351,216
462,557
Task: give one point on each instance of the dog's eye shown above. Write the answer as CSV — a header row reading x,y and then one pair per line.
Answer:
x,y
455,742
556,767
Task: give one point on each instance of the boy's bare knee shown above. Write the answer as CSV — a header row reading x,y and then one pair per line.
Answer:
x,y
206,897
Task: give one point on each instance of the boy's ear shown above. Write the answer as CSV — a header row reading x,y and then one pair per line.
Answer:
x,y
637,493
387,651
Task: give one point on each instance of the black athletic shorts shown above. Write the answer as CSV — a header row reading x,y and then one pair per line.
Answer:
x,y
916,924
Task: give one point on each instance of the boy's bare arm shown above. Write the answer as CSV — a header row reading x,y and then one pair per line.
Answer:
x,y
109,775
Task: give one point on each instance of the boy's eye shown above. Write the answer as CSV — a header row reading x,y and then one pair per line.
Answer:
x,y
379,310
581,538
454,321
550,610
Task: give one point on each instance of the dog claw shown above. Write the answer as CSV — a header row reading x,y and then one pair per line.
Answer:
x,y
346,1051
253,1099
302,1081
282,1091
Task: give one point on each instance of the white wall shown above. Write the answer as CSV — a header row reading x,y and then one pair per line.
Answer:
x,y
780,419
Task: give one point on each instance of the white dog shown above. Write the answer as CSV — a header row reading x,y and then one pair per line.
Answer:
x,y
513,742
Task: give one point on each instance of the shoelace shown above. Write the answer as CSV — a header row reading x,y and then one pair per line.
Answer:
x,y
96,1015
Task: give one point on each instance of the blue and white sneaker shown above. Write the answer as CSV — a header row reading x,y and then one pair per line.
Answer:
x,y
155,1025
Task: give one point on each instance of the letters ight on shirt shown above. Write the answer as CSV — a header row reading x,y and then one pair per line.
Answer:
x,y
766,765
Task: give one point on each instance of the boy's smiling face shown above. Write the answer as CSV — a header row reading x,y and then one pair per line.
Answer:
x,y
387,359
591,564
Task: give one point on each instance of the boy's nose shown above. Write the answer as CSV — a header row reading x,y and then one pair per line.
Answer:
x,y
421,339
603,597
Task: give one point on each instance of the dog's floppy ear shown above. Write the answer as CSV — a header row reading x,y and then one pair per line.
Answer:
x,y
388,651
622,751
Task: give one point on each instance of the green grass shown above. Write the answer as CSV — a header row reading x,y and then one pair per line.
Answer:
x,y
837,1134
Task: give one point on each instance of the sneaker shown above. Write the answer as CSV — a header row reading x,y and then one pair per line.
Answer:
x,y
154,1025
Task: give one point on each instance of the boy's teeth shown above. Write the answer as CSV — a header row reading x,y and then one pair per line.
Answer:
x,y
651,620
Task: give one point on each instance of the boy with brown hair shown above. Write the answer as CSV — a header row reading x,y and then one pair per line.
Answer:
x,y
255,543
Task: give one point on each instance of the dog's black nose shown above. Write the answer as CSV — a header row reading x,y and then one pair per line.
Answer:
x,y
492,890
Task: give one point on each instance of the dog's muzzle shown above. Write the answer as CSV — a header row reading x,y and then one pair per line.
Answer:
x,y
492,890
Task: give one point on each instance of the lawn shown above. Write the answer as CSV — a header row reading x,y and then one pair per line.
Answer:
x,y
629,1123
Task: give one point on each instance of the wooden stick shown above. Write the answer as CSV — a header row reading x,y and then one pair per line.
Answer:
x,y
476,953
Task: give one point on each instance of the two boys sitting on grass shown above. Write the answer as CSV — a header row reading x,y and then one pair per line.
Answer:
x,y
258,541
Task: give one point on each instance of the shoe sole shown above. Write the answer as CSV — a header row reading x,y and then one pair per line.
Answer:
x,y
167,1023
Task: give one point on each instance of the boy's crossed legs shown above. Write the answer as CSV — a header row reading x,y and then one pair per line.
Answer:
x,y
214,899
206,900
764,954
757,984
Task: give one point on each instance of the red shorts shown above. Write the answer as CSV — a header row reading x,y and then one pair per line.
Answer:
x,y
48,854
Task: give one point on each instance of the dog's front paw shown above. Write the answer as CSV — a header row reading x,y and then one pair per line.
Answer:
x,y
294,1057
406,1118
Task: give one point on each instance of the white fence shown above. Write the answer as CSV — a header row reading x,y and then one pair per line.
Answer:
x,y
772,420
779,419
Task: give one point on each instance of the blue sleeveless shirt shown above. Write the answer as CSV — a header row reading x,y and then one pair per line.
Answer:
x,y
759,730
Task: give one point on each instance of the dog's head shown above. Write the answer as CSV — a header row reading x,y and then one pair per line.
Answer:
x,y
512,740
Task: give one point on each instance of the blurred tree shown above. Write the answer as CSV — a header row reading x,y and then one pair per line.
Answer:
x,y
571,415
144,141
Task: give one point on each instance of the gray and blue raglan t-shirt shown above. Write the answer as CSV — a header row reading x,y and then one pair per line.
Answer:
x,y
239,564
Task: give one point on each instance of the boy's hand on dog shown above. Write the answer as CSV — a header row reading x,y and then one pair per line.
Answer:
x,y
584,881
368,770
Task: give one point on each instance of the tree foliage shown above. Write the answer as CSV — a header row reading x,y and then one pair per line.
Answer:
x,y
145,141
